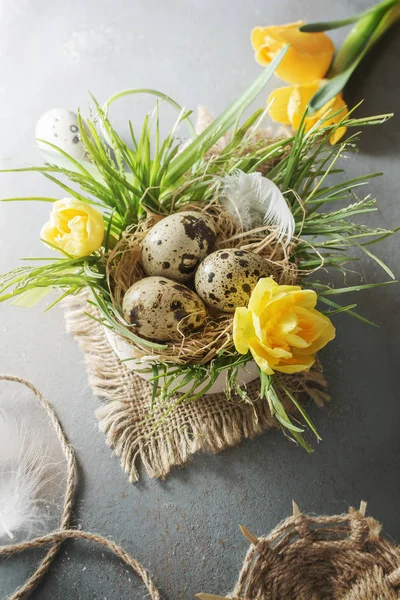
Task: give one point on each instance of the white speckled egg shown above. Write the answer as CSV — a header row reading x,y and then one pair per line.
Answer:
x,y
59,126
160,309
176,245
226,278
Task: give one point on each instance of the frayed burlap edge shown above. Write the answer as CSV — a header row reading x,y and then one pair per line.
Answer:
x,y
212,423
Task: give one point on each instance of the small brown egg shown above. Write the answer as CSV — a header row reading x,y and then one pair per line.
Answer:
x,y
162,310
226,278
175,245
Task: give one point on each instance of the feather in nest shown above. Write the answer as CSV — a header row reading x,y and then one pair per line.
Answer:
x,y
254,201
24,473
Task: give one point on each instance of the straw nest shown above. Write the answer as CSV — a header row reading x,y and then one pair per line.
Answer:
x,y
124,267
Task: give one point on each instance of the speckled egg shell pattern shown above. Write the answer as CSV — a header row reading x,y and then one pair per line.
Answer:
x,y
156,307
175,245
226,278
59,126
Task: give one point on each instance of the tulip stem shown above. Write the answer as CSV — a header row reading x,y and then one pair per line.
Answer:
x,y
366,32
330,25
369,28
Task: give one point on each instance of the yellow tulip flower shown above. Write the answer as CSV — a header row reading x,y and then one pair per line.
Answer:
x,y
307,59
75,227
281,327
288,104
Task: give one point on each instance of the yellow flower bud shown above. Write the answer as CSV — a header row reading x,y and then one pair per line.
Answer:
x,y
288,104
75,227
281,327
308,57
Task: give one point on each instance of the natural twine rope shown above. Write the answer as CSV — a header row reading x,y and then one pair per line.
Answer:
x,y
57,537
303,558
319,558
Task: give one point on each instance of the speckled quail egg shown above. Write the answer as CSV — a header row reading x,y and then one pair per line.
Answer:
x,y
59,126
226,278
161,309
176,245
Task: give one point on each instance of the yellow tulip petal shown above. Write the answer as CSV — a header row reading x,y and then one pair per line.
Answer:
x,y
264,359
48,232
339,105
298,101
326,334
263,56
295,365
297,105
278,105
297,67
261,293
306,298
296,341
281,327
259,330
339,133
284,289
257,37
262,363
74,227
307,59
315,328
242,329
287,324
309,55
269,353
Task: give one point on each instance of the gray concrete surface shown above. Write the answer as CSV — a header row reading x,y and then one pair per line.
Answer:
x,y
185,530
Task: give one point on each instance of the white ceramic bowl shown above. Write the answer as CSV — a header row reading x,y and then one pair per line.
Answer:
x,y
125,353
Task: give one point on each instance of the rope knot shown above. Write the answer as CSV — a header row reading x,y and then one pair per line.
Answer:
x,y
268,553
360,530
394,577
302,526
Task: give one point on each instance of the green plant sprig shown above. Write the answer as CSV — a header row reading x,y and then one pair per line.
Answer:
x,y
369,26
125,180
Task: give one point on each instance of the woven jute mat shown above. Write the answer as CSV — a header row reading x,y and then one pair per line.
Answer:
x,y
340,557
212,423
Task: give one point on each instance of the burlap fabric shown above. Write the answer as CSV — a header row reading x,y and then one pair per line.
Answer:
x,y
304,558
211,423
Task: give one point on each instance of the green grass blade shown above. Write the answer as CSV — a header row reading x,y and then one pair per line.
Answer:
x,y
354,288
325,300
31,199
214,132
152,92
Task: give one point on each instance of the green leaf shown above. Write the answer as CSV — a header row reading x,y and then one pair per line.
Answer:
x,y
333,87
319,26
278,411
329,25
301,410
30,199
339,310
163,97
31,297
350,312
367,31
376,259
354,288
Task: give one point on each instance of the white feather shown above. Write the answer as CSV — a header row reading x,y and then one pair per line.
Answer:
x,y
24,473
255,200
